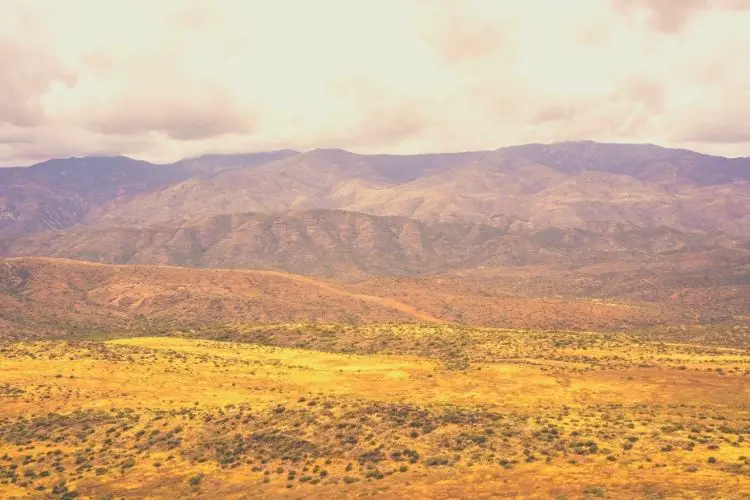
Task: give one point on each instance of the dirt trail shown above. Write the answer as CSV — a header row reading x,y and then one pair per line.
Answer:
x,y
383,301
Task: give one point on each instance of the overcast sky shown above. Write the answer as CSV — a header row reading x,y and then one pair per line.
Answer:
x,y
161,79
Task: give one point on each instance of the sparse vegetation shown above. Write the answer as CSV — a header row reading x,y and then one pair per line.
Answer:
x,y
322,409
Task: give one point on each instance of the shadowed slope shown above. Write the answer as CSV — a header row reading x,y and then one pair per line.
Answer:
x,y
335,243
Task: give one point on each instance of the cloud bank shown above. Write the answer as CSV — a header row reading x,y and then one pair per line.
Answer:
x,y
165,80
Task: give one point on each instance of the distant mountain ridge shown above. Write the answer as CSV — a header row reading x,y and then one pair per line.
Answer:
x,y
570,185
330,212
59,193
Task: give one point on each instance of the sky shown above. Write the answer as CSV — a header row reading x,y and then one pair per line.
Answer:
x,y
168,79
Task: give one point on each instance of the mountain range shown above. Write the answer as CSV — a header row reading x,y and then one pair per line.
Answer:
x,y
586,185
338,243
558,222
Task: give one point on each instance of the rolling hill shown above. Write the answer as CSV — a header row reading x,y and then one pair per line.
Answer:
x,y
58,297
53,297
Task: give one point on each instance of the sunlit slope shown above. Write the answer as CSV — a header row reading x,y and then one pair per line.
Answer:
x,y
467,412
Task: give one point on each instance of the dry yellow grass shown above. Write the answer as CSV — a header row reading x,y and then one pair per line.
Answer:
x,y
596,416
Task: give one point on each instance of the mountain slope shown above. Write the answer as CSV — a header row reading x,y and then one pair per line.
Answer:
x,y
50,296
337,243
305,181
59,193
645,162
599,193
585,185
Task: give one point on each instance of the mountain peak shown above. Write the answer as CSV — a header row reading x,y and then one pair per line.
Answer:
x,y
333,153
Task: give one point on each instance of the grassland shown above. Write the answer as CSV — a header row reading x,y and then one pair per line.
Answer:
x,y
390,410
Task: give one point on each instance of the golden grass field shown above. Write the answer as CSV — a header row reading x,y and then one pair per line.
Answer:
x,y
331,411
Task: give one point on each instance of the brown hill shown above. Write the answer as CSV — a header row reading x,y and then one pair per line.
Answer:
x,y
337,243
52,297
708,287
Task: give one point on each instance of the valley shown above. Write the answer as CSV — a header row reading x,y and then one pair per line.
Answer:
x,y
413,249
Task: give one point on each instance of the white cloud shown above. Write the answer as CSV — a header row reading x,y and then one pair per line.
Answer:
x,y
162,80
